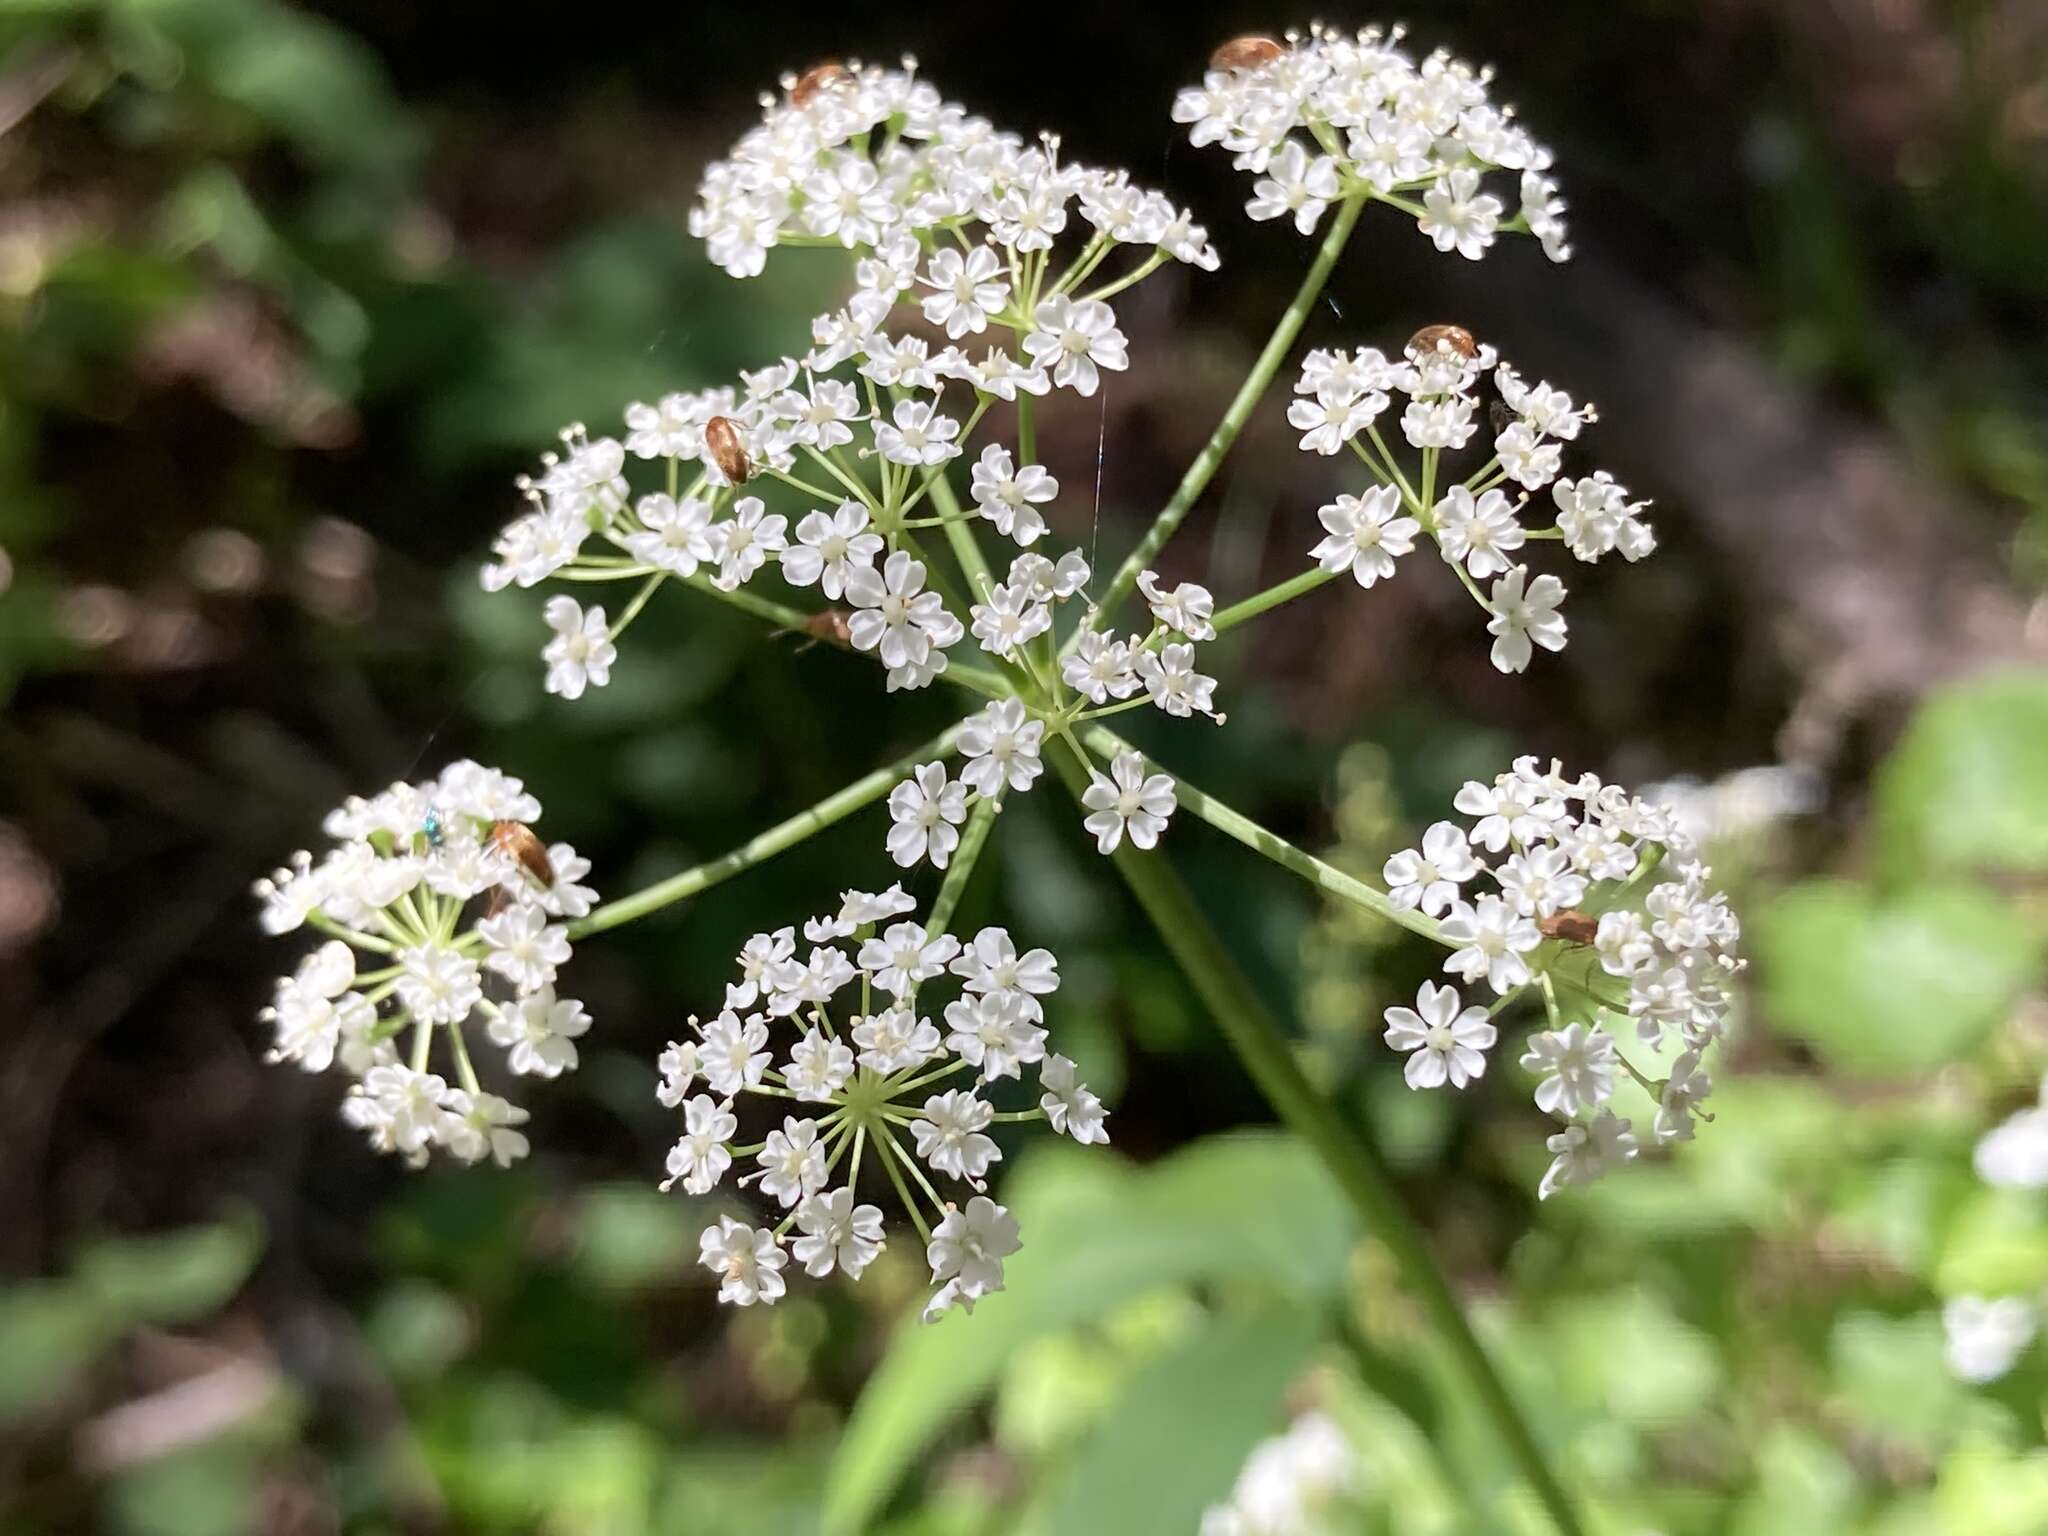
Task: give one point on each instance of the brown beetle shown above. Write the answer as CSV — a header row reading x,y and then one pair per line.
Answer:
x,y
1251,51
816,79
722,437
518,840
1456,337
1572,927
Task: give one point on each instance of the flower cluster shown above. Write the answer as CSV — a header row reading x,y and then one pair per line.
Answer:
x,y
859,1079
1337,115
451,896
1304,1482
1565,858
1476,524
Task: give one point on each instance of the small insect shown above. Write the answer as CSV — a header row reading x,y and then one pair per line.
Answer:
x,y
517,839
433,829
727,451
1432,337
1249,52
1572,927
815,79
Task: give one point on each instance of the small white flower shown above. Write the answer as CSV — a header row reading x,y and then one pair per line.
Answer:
x,y
819,1067
1449,1043
680,1066
917,435
673,536
926,810
1174,684
1491,939
830,545
1001,745
836,1233
990,963
1010,497
1576,1065
894,1039
733,1054
525,947
1100,667
894,616
792,1162
1680,1099
1069,1107
1478,530
1541,882
1986,1337
439,985
744,541
581,654
700,1157
747,1261
967,290
966,1254
540,1033
1363,535
1295,187
1458,216
1431,878
949,1135
904,955
995,1033
1186,609
1073,339
1582,1153
1128,802
1522,614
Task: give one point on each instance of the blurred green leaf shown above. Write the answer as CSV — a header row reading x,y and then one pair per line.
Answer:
x,y
1998,1246
1899,985
1966,789
1172,1442
50,1331
1255,1209
1988,1492
171,1277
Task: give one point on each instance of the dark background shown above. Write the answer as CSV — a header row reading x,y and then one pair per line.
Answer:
x,y
289,296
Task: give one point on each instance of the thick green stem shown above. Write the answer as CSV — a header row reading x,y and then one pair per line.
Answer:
x,y
1206,463
1325,877
1351,1158
972,840
777,839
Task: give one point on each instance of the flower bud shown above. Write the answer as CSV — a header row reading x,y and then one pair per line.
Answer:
x,y
1456,337
727,451
1572,927
815,79
1249,52
517,839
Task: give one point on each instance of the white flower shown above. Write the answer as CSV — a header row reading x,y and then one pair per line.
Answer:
x,y
439,986
1458,216
2014,1155
894,616
1576,1065
1431,879
1986,1337
1524,614
894,1039
1001,745
836,1233
1069,1107
732,1054
744,541
1099,667
1295,187
1187,608
990,963
1478,530
1491,939
926,811
904,955
1541,882
673,536
746,1260
315,1005
540,1033
700,1157
680,1066
830,545
792,1163
1128,801
917,435
1174,684
995,1032
483,1125
818,1067
1582,1153
1332,418
949,1135
525,947
1073,339
1010,497
1449,1044
1446,423
1528,460
1680,1099
966,1254
1364,536
581,654
1011,617
967,290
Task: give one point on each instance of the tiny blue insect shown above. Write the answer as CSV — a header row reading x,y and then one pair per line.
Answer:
x,y
432,827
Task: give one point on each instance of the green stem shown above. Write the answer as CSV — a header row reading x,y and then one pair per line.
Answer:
x,y
1352,1159
1206,463
777,839
973,838
1325,877
1272,597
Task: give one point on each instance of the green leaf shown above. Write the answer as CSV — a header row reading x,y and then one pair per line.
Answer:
x,y
49,1333
1247,1208
1997,1247
1171,1444
170,1277
1889,986
1966,789
1988,1491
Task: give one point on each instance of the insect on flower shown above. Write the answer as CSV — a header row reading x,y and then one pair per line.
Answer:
x,y
817,78
518,840
1249,52
1431,337
722,438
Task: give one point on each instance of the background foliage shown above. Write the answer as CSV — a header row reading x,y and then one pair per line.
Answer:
x,y
287,296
